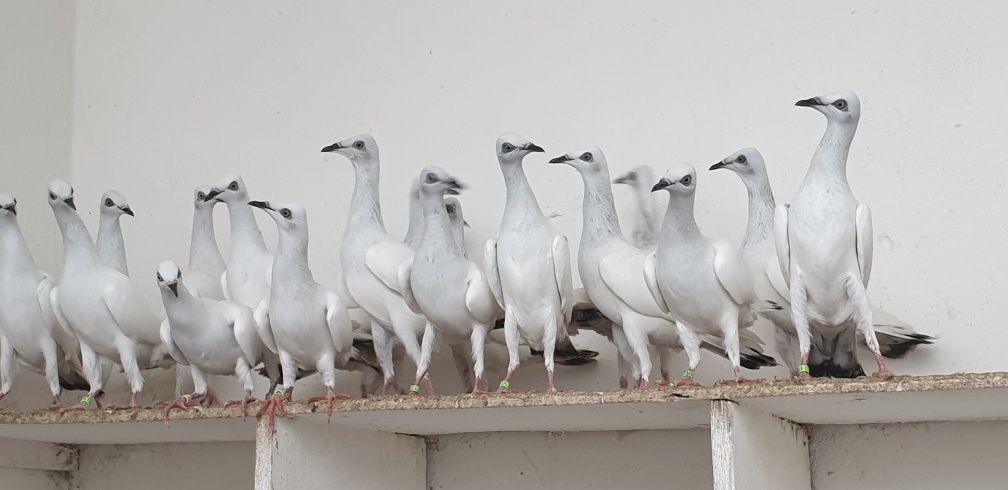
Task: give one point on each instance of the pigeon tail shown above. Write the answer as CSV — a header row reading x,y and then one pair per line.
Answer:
x,y
896,341
71,380
566,354
364,356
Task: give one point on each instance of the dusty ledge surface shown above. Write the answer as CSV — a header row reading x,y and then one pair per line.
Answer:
x,y
773,388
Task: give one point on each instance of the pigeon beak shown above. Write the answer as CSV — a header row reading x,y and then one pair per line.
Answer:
x,y
451,192
532,147
331,148
560,159
454,185
663,183
260,205
174,288
12,209
718,165
466,224
127,210
70,202
213,193
812,102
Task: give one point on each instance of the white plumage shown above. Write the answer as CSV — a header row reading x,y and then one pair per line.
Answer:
x,y
824,247
206,263
30,335
111,246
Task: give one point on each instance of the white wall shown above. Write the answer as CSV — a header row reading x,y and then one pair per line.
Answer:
x,y
167,96
167,466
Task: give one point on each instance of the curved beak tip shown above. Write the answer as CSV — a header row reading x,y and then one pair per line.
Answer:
x,y
174,288
127,210
259,204
331,148
70,202
560,159
663,183
534,148
810,102
717,166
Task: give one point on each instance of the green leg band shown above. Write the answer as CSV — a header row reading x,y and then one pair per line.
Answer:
x,y
687,374
414,389
280,391
86,400
505,384
804,369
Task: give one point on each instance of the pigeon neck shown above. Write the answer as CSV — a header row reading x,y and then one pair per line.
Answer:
x,y
13,248
599,213
761,212
77,244
110,235
416,221
292,252
520,198
244,229
830,158
437,231
203,251
365,207
680,222
645,226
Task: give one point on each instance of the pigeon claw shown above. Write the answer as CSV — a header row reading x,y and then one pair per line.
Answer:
x,y
273,407
244,402
882,375
687,382
330,398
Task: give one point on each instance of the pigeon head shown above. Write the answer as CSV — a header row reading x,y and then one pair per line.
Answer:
x,y
362,147
435,180
844,107
114,204
588,161
512,148
746,162
169,276
288,216
680,179
232,190
61,195
454,209
200,199
8,205
641,176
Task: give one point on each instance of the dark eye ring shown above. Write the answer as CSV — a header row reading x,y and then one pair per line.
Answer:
x,y
741,159
109,203
507,147
285,213
840,104
233,186
686,180
586,156
200,195
52,196
358,145
159,277
431,178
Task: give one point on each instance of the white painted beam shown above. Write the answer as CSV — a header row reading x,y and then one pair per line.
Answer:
x,y
308,452
32,455
755,450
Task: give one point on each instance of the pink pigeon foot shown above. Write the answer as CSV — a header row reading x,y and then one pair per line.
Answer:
x,y
273,406
243,402
330,398
883,372
550,382
642,384
623,383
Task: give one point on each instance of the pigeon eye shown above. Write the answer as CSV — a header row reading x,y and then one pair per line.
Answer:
x,y
52,196
686,180
450,208
507,147
586,156
109,203
741,159
358,145
286,213
233,186
840,104
159,278
201,196
431,178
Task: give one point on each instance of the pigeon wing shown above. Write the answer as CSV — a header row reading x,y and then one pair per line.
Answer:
x,y
782,242
560,255
479,299
623,273
338,320
169,343
865,242
651,280
383,260
492,273
731,271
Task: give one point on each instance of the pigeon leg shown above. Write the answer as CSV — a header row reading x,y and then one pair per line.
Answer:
x,y
625,358
512,339
639,346
799,300
478,341
330,398
426,350
665,363
184,401
856,291
273,406
249,398
384,342
549,346
691,344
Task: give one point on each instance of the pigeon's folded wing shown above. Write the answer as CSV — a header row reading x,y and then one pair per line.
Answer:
x,y
383,260
731,271
406,286
865,241
338,320
169,343
782,243
560,255
263,327
243,326
130,311
479,300
47,293
651,280
623,273
492,273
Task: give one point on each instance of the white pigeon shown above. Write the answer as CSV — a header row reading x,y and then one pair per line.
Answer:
x,y
206,264
528,266
210,336
824,247
442,284
610,271
247,278
30,335
111,247
895,337
644,234
458,223
704,283
370,259
309,326
108,314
